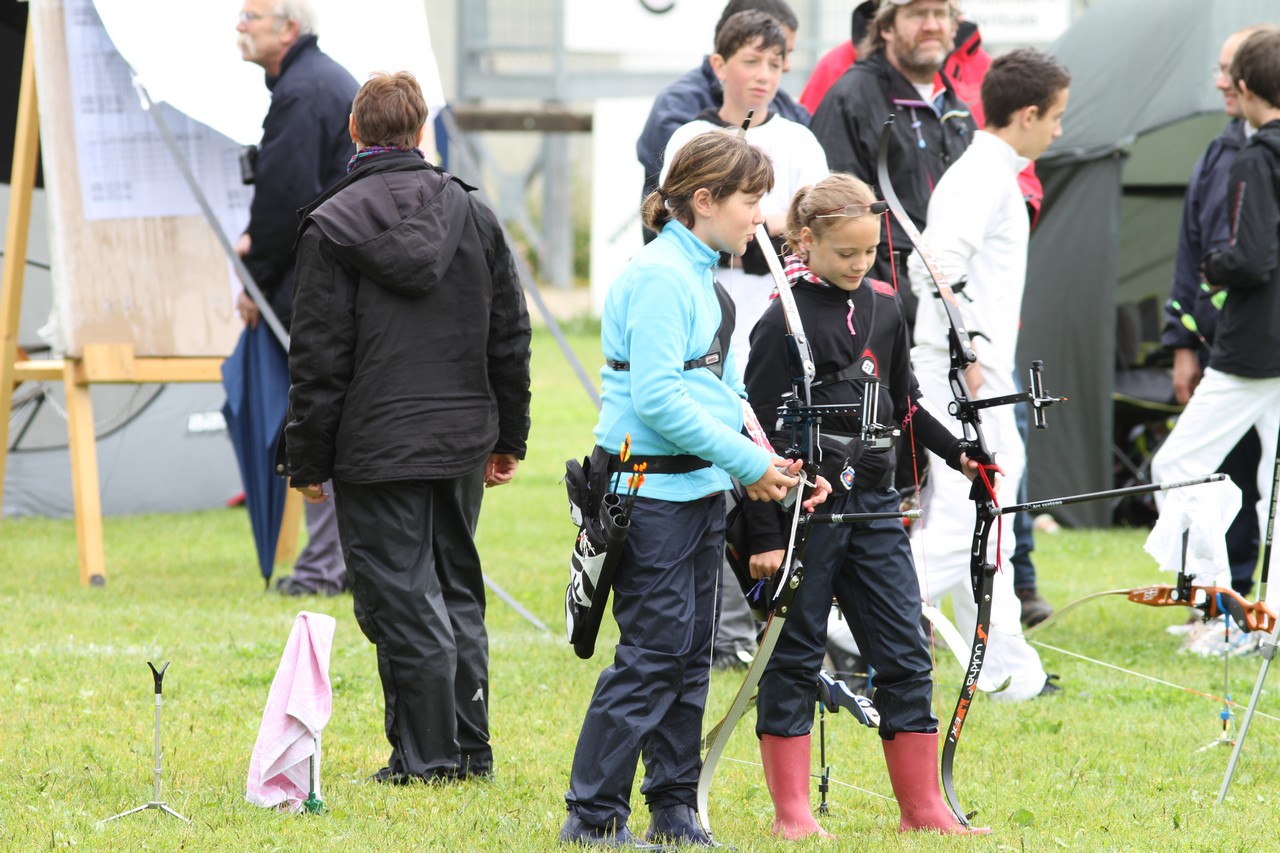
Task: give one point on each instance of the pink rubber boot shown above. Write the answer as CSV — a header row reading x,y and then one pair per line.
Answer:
x,y
912,758
786,770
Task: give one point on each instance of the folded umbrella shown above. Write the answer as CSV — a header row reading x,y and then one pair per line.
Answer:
x,y
256,379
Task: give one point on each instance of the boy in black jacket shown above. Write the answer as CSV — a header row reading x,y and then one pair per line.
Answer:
x,y
1241,385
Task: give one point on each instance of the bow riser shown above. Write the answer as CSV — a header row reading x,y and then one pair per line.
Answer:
x,y
1212,601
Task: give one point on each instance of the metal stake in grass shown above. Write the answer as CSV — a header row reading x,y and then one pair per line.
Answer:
x,y
313,804
156,802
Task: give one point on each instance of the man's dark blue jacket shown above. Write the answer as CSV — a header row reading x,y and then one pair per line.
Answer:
x,y
306,143
1204,227
1248,266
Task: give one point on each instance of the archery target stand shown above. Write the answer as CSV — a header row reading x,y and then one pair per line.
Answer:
x,y
96,246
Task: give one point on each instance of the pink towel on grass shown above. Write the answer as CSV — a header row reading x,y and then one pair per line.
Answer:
x,y
298,708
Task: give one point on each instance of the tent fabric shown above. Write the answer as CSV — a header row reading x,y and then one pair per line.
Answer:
x,y
1137,66
1068,322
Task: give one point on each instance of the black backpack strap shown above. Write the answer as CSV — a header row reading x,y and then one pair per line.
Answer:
x,y
849,371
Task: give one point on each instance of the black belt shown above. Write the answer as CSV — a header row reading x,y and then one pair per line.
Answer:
x,y
682,464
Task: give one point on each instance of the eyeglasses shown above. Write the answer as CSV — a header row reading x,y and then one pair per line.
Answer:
x,y
917,15
250,17
1220,71
853,211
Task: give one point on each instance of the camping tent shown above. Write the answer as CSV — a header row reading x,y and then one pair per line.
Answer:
x,y
1142,108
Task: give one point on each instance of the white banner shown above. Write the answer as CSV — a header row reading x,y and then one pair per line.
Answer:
x,y
200,71
615,191
645,40
1019,22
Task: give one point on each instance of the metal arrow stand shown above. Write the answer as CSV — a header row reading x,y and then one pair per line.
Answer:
x,y
156,802
1267,648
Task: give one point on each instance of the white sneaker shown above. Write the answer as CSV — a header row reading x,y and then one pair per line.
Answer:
x,y
1223,638
1193,627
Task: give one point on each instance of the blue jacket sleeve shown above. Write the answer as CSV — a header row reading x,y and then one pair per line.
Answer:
x,y
1186,269
657,328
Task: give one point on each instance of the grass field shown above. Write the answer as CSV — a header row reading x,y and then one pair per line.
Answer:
x,y
1112,763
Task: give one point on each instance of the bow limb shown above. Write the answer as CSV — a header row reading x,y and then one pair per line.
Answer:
x,y
804,444
1066,608
981,572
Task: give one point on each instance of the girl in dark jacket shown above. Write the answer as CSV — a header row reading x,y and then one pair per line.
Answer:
x,y
857,333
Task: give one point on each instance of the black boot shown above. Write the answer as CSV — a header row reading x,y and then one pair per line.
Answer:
x,y
677,824
614,837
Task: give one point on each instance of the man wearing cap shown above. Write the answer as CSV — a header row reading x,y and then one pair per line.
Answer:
x,y
897,74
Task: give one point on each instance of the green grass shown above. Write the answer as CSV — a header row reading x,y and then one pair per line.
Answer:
x,y
1111,764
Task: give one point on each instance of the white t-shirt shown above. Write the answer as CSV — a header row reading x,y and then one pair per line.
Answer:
x,y
798,161
978,227
798,158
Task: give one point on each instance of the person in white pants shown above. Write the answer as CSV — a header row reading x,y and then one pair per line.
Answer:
x,y
1224,407
1241,385
979,231
940,545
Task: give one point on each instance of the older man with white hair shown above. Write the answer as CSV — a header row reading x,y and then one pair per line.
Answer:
x,y
304,150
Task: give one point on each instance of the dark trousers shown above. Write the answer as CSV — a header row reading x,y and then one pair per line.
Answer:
x,y
320,566
648,704
419,598
868,568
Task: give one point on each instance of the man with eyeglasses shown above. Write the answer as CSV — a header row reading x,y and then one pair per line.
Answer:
x,y
897,73
1204,227
304,150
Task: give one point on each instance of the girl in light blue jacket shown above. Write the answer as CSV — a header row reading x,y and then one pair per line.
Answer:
x,y
668,383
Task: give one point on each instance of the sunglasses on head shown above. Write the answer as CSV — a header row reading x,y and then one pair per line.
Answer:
x,y
853,211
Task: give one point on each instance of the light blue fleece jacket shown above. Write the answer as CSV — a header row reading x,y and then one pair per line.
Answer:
x,y
661,312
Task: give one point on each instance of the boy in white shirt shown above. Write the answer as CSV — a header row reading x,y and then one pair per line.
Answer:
x,y
750,54
979,231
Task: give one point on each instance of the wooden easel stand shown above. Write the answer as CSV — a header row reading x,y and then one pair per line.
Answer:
x,y
98,363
